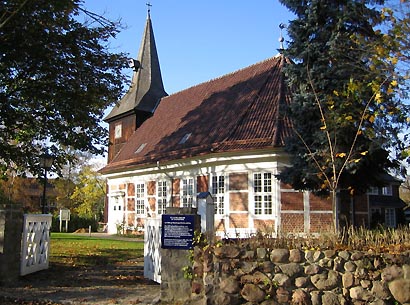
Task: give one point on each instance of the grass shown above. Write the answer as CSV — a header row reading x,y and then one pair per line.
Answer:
x,y
74,250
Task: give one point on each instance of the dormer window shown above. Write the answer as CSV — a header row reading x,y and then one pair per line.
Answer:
x,y
140,148
118,131
387,190
185,138
373,190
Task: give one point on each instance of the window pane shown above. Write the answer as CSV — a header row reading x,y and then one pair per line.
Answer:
x,y
257,180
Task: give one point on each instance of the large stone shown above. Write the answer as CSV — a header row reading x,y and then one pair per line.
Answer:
x,y
230,285
400,289
330,298
279,255
406,272
312,269
301,282
315,296
282,295
261,253
348,280
301,297
261,278
358,293
326,281
380,290
329,253
248,267
296,256
229,251
350,266
345,255
291,269
252,293
281,280
391,273
226,299
356,256
267,266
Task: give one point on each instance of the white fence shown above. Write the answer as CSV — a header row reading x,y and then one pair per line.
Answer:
x,y
152,249
36,243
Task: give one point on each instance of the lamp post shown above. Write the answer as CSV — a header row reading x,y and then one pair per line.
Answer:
x,y
46,161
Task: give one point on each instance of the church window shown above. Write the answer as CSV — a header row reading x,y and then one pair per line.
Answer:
x,y
162,194
262,188
187,192
140,198
118,131
218,193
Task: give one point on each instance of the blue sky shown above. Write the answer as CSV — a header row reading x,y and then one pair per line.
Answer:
x,y
198,40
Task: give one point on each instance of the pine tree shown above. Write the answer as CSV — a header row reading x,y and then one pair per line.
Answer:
x,y
343,106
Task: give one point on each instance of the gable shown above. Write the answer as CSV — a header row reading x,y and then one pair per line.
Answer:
x,y
240,111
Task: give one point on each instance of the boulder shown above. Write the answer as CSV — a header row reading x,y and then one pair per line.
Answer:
x,y
400,289
326,281
253,293
279,255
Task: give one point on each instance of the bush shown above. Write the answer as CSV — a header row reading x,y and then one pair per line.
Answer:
x,y
76,222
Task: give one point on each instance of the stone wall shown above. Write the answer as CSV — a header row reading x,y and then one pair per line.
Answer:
x,y
239,274
11,226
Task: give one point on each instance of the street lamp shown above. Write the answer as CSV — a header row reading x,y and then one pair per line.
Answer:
x,y
46,161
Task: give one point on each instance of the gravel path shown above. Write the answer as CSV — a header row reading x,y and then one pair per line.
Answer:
x,y
103,285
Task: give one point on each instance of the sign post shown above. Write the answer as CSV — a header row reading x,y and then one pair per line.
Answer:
x,y
64,216
177,231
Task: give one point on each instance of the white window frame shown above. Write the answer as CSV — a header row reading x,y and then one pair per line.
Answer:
x,y
139,198
373,190
263,193
387,190
390,217
162,196
118,131
218,187
187,192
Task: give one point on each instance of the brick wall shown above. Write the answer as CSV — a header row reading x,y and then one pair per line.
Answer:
x,y
292,222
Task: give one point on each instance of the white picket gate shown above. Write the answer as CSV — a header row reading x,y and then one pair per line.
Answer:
x,y
152,249
36,243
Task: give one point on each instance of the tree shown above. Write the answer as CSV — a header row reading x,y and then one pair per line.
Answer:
x,y
345,114
89,193
57,76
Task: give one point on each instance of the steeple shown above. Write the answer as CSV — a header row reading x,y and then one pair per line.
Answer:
x,y
146,88
143,96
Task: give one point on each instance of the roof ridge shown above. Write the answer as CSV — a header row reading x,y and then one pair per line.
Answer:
x,y
225,75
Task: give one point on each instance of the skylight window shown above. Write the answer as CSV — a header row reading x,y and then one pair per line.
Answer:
x,y
140,148
185,138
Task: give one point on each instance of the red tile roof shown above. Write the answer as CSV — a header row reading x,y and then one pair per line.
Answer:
x,y
241,111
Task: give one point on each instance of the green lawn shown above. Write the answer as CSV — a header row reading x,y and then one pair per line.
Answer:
x,y
74,250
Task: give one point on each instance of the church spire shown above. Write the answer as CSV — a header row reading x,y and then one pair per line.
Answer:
x,y
146,88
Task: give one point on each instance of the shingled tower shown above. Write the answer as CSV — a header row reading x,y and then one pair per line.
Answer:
x,y
143,96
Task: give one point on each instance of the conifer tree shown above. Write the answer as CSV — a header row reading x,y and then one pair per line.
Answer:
x,y
344,110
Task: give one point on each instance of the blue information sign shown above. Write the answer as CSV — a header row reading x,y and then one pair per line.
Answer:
x,y
177,231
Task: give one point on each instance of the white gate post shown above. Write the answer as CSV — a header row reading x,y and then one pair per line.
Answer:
x,y
36,243
152,249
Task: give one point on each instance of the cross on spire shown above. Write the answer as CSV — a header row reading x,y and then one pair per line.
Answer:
x,y
149,6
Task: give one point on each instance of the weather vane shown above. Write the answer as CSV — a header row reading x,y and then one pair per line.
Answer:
x,y
149,6
281,39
